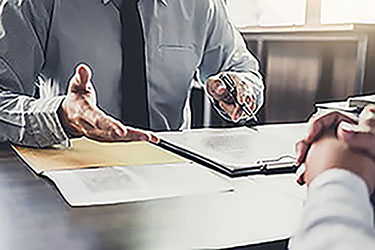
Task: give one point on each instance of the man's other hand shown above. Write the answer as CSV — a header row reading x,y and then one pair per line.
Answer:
x,y
81,116
216,89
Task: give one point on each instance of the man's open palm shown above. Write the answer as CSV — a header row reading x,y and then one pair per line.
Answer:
x,y
82,117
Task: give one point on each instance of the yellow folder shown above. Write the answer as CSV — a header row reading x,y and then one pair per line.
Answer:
x,y
86,153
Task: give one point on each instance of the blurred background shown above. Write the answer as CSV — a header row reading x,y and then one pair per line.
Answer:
x,y
309,51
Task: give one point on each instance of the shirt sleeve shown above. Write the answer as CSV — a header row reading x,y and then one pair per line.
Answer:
x,y
338,214
24,119
225,51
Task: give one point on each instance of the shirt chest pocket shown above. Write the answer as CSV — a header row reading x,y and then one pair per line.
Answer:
x,y
178,62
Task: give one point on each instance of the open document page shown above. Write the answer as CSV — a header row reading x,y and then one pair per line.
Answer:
x,y
243,147
111,185
94,173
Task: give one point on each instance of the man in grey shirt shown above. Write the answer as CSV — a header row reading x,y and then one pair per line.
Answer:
x,y
42,101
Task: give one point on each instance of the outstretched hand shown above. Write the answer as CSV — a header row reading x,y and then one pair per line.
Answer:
x,y
81,116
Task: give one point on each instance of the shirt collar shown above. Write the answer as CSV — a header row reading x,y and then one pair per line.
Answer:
x,y
165,2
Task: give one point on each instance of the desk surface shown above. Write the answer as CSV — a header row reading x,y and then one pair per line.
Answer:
x,y
34,216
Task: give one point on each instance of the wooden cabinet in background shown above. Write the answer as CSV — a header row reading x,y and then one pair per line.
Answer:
x,y
304,65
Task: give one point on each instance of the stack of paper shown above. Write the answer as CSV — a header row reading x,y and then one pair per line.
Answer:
x,y
351,104
361,101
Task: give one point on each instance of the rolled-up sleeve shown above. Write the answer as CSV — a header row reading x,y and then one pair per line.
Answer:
x,y
338,214
226,51
26,120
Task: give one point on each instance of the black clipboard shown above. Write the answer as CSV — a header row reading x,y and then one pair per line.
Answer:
x,y
280,164
265,167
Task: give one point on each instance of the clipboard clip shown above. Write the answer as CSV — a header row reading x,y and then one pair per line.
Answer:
x,y
283,164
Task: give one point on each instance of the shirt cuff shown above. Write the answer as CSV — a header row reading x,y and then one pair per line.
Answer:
x,y
46,127
342,177
338,195
337,205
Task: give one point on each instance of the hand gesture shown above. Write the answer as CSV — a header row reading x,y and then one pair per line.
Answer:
x,y
81,116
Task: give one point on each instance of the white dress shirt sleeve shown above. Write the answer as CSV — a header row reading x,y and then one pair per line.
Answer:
x,y
226,51
338,214
24,119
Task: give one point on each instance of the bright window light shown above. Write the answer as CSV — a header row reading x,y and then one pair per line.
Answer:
x,y
348,11
267,12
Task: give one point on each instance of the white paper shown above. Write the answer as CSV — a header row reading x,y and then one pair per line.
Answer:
x,y
240,147
111,185
341,105
283,183
258,211
261,208
361,101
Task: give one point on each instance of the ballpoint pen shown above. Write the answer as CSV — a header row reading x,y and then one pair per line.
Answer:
x,y
231,87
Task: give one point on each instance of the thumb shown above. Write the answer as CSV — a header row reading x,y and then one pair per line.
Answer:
x,y
82,78
216,88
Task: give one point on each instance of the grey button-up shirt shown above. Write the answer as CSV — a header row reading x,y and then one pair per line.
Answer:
x,y
45,40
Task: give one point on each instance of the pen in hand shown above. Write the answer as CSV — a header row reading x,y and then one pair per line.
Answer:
x,y
231,87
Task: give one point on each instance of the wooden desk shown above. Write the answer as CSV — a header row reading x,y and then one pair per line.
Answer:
x,y
34,216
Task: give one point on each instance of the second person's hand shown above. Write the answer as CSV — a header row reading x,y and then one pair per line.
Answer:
x,y
318,126
357,134
329,152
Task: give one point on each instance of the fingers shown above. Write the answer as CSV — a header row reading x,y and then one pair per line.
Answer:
x,y
234,111
317,127
341,126
80,115
218,91
237,114
84,73
226,101
137,134
362,136
107,129
367,119
81,81
301,150
327,121
360,141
